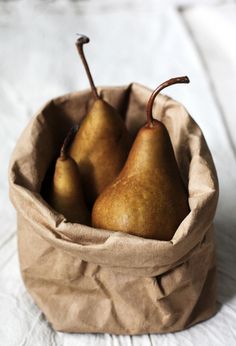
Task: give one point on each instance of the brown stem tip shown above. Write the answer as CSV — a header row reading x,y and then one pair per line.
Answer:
x,y
82,39
69,138
177,80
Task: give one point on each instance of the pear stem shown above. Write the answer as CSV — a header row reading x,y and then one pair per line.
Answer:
x,y
79,44
177,80
67,142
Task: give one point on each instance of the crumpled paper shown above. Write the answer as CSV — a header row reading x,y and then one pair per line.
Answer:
x,y
98,281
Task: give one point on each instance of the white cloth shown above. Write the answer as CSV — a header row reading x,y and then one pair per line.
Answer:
x,y
142,41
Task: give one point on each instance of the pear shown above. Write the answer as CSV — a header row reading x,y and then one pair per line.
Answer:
x,y
148,198
102,143
66,195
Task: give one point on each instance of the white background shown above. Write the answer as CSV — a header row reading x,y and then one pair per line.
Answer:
x,y
141,41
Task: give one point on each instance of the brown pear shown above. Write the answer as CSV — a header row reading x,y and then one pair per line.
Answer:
x,y
148,198
102,142
66,195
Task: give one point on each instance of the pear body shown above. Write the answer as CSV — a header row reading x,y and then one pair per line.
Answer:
x,y
100,148
148,198
66,195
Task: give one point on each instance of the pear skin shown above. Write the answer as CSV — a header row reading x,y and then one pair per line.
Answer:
x,y
100,148
102,142
148,198
66,194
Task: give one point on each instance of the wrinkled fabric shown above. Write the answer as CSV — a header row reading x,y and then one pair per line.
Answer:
x,y
91,280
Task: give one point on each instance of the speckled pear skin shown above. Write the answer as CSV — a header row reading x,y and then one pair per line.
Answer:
x,y
148,198
66,195
100,148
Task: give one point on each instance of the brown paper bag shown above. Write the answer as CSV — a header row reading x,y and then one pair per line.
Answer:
x,y
91,280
